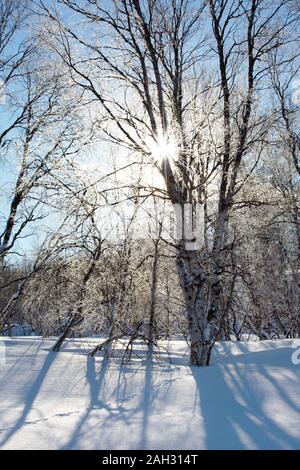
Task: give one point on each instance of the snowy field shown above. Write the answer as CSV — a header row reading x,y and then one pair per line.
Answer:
x,y
248,399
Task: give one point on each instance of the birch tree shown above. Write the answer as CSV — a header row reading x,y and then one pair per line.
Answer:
x,y
181,82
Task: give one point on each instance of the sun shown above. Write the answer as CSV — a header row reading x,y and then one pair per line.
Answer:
x,y
162,146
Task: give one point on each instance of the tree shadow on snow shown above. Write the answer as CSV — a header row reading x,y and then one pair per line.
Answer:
x,y
119,411
31,397
96,382
145,403
232,406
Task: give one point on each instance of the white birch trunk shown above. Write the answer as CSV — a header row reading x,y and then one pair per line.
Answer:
x,y
202,290
194,282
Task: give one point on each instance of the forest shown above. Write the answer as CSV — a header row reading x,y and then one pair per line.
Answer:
x,y
150,171
150,231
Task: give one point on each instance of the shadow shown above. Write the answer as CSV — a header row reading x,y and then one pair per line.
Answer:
x,y
126,404
232,407
228,351
145,403
96,382
30,351
31,396
280,357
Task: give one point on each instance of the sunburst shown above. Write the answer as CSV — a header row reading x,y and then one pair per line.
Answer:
x,y
163,146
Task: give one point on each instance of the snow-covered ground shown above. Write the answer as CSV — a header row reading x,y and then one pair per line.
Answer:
x,y
249,398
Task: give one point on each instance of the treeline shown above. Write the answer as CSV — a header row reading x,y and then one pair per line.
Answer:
x,y
113,115
92,287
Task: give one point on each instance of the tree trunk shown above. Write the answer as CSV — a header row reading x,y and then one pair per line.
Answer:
x,y
201,283
152,316
193,282
75,320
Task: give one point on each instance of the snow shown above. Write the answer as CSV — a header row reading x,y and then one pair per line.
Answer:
x,y
249,398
